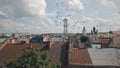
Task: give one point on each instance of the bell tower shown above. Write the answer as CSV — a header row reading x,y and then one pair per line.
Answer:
x,y
65,27
94,35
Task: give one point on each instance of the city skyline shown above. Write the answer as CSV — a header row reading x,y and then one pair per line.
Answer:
x,y
46,16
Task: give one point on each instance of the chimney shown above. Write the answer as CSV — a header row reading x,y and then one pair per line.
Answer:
x,y
13,35
30,46
51,44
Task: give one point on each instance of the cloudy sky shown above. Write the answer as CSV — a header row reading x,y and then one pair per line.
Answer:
x,y
45,16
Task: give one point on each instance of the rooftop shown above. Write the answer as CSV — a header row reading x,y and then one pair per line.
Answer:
x,y
79,56
105,56
2,40
95,57
12,51
55,52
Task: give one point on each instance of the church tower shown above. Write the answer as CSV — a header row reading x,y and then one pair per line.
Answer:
x,y
94,35
84,31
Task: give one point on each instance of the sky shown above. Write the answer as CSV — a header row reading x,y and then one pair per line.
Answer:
x,y
46,16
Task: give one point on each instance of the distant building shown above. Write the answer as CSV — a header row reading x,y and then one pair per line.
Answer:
x,y
5,36
115,42
116,33
46,37
54,39
13,41
104,41
94,35
21,39
95,46
84,32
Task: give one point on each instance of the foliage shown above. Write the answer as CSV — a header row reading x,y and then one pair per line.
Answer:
x,y
84,39
110,32
32,59
56,66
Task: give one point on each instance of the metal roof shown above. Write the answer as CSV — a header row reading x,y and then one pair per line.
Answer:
x,y
105,56
2,40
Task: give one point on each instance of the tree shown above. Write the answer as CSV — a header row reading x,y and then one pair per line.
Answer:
x,y
31,59
84,39
110,32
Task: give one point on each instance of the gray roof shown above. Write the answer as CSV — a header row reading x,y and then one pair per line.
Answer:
x,y
106,56
2,40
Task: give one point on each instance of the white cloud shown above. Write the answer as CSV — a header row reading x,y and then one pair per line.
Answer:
x,y
2,14
88,19
72,5
37,7
51,14
30,16
107,3
7,25
21,8
75,5
103,24
110,3
26,16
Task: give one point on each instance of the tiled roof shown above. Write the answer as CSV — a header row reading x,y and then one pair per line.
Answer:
x,y
55,52
79,56
94,57
12,51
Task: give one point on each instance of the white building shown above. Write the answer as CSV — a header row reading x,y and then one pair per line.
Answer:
x,y
94,46
54,39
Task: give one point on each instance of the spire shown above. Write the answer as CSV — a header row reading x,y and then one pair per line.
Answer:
x,y
94,29
84,29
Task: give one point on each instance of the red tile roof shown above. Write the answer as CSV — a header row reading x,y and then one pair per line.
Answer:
x,y
79,56
11,51
55,52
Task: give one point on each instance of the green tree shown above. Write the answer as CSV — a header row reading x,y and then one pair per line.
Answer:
x,y
84,39
32,59
110,32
